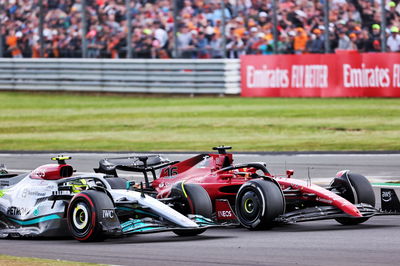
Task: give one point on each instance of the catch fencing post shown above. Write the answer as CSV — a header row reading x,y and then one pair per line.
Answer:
x,y
1,41
326,24
383,26
223,33
129,35
84,30
175,30
41,22
275,25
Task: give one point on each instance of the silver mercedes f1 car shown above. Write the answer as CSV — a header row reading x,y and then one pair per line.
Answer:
x,y
50,201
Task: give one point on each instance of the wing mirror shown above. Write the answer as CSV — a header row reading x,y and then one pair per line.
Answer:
x,y
289,173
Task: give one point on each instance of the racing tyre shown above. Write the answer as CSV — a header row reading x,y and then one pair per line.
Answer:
x,y
357,189
258,203
84,215
195,200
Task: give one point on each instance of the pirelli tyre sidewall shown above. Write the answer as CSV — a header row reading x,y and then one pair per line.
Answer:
x,y
85,214
258,203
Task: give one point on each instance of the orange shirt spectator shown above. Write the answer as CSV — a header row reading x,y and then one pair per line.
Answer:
x,y
36,50
112,49
300,41
12,42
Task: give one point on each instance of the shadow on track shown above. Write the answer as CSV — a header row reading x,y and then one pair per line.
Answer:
x,y
133,239
290,228
164,239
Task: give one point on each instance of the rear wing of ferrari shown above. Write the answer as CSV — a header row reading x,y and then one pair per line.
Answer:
x,y
140,164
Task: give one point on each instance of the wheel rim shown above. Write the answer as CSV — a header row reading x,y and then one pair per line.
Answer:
x,y
80,216
250,206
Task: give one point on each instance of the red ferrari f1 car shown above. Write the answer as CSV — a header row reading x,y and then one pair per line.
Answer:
x,y
248,193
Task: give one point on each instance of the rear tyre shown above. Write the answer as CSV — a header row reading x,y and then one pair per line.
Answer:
x,y
195,200
258,203
84,215
357,189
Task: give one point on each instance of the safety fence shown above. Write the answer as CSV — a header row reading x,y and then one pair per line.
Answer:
x,y
186,76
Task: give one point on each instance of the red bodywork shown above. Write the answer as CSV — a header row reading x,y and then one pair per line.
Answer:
x,y
205,170
52,171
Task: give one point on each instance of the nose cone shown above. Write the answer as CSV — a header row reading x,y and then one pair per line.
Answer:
x,y
352,210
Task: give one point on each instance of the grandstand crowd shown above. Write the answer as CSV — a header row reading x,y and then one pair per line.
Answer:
x,y
354,25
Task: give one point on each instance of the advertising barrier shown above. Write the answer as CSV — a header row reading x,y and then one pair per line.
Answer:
x,y
344,74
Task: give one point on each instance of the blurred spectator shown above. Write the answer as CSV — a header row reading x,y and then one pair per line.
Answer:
x,y
12,43
344,42
202,46
392,14
316,44
248,27
353,41
300,41
216,46
362,40
185,42
235,47
285,45
393,41
374,40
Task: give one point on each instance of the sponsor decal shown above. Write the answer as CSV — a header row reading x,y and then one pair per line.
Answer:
x,y
267,78
389,200
40,173
17,211
26,192
36,212
319,75
396,75
2,192
51,187
365,77
309,76
387,196
224,210
108,214
226,214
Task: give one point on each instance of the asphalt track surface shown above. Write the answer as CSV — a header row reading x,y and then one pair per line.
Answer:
x,y
376,242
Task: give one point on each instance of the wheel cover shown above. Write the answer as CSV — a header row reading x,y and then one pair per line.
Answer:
x,y
250,206
80,216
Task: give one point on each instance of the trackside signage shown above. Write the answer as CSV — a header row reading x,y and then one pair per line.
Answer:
x,y
318,75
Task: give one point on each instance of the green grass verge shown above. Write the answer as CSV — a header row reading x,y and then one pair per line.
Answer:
x,y
132,123
22,261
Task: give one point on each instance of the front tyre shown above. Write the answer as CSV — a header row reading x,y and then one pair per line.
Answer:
x,y
258,203
357,189
84,215
195,200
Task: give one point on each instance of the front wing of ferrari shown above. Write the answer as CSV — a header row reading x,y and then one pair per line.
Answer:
x,y
323,213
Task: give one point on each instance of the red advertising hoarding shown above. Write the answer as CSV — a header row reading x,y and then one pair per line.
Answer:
x,y
344,74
